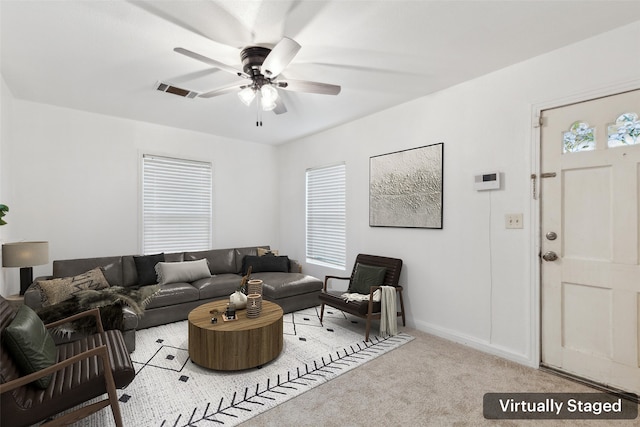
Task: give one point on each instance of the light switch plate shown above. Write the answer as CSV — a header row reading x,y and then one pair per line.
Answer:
x,y
513,221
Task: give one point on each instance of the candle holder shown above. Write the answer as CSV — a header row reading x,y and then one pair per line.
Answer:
x,y
254,305
254,286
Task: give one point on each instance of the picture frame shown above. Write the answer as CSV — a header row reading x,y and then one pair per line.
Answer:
x,y
406,188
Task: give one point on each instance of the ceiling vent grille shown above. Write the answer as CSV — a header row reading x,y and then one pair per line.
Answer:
x,y
185,93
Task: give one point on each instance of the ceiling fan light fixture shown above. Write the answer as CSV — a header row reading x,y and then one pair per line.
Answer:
x,y
269,94
262,66
246,95
268,106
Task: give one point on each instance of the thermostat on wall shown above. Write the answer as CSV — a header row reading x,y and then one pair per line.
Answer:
x,y
487,181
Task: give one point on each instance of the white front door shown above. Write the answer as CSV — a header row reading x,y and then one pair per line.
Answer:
x,y
590,294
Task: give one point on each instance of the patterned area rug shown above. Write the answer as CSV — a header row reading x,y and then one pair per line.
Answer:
x,y
170,390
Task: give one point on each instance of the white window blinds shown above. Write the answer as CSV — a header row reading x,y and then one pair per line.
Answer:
x,y
176,205
326,215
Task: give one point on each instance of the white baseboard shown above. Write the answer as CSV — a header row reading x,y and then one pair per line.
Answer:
x,y
476,343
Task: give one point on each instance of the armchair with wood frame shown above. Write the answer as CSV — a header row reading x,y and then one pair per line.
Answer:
x,y
82,370
367,309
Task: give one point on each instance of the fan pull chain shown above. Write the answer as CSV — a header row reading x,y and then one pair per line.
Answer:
x,y
258,110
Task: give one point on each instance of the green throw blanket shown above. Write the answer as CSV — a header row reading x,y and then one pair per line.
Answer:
x,y
110,301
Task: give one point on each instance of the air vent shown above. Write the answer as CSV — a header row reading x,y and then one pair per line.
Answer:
x,y
185,93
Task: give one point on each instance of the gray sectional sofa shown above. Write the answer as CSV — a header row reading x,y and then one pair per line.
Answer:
x,y
283,283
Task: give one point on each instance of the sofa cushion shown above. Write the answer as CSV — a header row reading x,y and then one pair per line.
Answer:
x,y
172,294
58,290
111,267
218,286
146,268
366,276
129,273
259,264
174,257
187,271
30,344
280,285
220,260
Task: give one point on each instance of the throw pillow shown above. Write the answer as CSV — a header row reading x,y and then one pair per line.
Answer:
x,y
265,263
146,268
220,261
265,251
365,277
187,271
58,290
30,345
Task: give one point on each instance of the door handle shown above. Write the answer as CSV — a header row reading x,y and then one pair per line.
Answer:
x,y
550,256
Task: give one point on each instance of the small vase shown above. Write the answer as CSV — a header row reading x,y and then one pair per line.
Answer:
x,y
239,299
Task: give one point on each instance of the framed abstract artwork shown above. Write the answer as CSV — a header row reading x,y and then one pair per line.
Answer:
x,y
405,188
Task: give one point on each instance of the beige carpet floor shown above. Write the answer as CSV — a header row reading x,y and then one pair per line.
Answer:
x,y
427,382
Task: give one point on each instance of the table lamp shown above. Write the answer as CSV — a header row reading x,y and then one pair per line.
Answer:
x,y
25,255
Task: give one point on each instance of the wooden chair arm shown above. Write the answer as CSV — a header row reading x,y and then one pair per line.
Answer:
x,y
326,280
374,288
19,382
95,312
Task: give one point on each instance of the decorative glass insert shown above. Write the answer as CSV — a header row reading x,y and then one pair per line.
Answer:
x,y
625,131
580,137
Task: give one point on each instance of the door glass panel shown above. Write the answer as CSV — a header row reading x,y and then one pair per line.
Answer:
x,y
625,131
580,137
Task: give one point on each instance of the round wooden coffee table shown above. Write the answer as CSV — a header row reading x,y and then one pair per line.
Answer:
x,y
236,344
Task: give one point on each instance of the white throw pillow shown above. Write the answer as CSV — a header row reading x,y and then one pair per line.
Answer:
x,y
187,271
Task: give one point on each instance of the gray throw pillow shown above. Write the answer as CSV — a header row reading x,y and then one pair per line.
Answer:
x,y
187,271
30,344
365,277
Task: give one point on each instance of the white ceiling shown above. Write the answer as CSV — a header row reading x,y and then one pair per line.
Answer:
x,y
106,56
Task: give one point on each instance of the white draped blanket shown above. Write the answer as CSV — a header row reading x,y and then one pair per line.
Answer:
x,y
388,313
360,297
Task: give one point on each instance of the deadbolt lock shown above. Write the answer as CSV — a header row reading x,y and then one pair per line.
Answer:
x,y
551,235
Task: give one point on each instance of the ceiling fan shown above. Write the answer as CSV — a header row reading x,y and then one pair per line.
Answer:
x,y
262,67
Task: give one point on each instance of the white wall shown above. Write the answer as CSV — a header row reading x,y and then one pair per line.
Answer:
x,y
75,182
5,125
472,281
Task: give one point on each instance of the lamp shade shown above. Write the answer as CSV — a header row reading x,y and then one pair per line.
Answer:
x,y
269,94
25,254
246,95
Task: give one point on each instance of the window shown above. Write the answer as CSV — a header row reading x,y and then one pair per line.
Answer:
x,y
626,131
580,137
176,205
326,216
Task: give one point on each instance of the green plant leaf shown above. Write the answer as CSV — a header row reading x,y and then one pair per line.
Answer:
x,y
3,210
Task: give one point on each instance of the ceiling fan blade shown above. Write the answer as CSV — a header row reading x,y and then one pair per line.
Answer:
x,y
223,90
280,107
228,30
309,87
279,57
210,61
